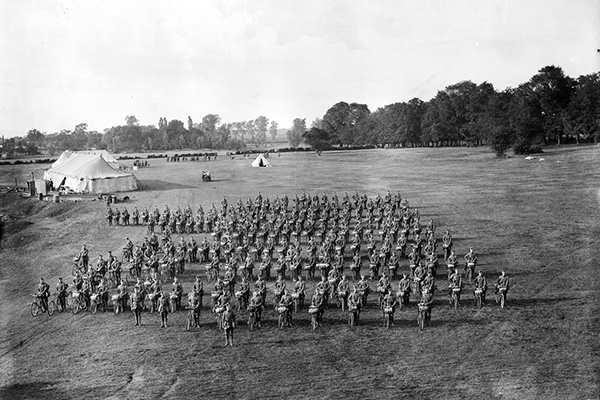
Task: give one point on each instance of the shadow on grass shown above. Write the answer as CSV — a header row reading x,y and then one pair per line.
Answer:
x,y
537,302
155,184
33,390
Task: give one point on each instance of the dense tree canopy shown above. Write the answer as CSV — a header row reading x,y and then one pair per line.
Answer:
x,y
549,108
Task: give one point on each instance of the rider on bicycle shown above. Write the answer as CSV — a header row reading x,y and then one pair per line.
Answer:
x,y
389,301
470,257
318,300
455,281
287,301
61,293
43,292
102,292
428,283
260,286
363,289
481,283
256,303
300,288
195,304
178,290
324,288
343,288
502,283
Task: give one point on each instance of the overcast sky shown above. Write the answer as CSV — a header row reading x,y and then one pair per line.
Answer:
x,y
67,62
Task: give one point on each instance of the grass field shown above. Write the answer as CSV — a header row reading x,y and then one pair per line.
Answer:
x,y
538,220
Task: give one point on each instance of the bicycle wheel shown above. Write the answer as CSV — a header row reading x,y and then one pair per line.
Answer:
x,y
314,321
51,308
94,308
479,302
251,320
502,300
281,321
421,320
387,320
76,307
35,309
188,323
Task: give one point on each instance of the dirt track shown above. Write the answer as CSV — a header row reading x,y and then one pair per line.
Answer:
x,y
538,220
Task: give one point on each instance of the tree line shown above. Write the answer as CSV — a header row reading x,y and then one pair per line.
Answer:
x,y
132,137
550,107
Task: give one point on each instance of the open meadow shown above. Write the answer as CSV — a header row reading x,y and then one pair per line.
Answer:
x,y
538,220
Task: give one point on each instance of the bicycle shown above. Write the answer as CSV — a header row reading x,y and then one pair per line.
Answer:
x,y
190,318
423,316
313,311
387,316
219,316
252,316
283,316
353,317
211,273
298,300
96,303
342,300
501,296
151,302
78,267
403,297
242,300
470,270
478,300
78,302
118,303
455,297
37,307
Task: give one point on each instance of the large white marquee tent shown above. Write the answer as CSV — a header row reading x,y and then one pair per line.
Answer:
x,y
89,173
113,162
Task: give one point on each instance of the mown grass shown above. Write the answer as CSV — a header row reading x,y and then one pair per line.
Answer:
x,y
538,220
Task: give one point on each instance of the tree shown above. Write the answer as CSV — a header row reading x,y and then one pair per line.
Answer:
x,y
525,118
261,125
273,130
294,135
131,120
35,137
79,136
341,121
317,123
553,92
495,124
250,129
94,140
582,117
209,127
175,128
317,139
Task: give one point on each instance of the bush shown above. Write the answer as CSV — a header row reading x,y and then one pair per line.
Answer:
x,y
527,148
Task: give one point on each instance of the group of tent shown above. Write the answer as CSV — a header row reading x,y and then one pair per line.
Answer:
x,y
90,172
98,172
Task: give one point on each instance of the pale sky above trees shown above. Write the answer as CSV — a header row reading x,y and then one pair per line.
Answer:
x,y
70,62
